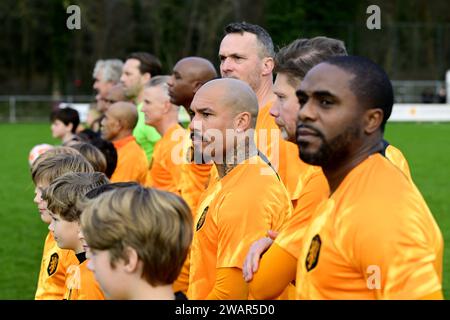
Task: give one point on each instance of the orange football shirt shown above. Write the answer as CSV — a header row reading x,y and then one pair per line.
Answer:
x,y
374,238
233,212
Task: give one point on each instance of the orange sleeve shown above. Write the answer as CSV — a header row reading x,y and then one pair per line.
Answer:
x,y
314,192
229,285
248,221
277,269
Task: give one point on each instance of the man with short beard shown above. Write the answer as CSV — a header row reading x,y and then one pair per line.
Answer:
x,y
228,219
374,237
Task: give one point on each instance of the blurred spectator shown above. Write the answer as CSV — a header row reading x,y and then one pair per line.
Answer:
x,y
106,74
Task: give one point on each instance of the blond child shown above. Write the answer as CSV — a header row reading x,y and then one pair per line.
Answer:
x,y
55,261
144,240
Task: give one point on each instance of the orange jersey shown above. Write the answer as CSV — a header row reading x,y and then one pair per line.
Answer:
x,y
397,158
165,166
232,213
54,264
374,238
81,283
311,189
282,154
132,164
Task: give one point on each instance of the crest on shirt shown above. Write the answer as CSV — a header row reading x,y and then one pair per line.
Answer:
x,y
52,264
202,219
313,253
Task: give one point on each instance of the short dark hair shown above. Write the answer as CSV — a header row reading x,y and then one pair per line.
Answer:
x,y
262,35
110,153
370,85
298,57
66,116
148,63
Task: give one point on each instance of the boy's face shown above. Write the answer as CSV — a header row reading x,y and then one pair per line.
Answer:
x,y
41,204
65,233
59,129
111,280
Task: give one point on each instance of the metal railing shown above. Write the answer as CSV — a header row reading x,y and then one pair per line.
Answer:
x,y
23,108
17,108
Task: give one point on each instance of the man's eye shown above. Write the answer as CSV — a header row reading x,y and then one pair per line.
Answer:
x,y
325,102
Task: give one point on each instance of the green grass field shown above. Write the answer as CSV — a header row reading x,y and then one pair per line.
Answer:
x,y
426,146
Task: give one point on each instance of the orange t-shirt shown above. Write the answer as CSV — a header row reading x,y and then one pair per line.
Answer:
x,y
311,190
81,283
374,238
397,158
232,213
54,264
282,154
132,164
165,166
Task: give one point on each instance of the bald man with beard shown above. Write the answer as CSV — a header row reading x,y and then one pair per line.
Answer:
x,y
228,219
117,127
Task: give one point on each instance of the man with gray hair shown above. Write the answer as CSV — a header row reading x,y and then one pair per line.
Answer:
x,y
165,170
106,75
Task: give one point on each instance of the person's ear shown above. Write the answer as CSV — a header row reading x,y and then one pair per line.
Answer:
x,y
267,66
131,262
242,121
372,120
146,78
70,126
167,106
197,85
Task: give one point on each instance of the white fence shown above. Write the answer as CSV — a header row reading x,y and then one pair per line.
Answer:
x,y
420,113
37,108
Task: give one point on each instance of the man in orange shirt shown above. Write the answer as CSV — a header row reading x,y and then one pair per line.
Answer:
x,y
117,127
228,219
246,53
165,167
306,184
374,237
188,75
